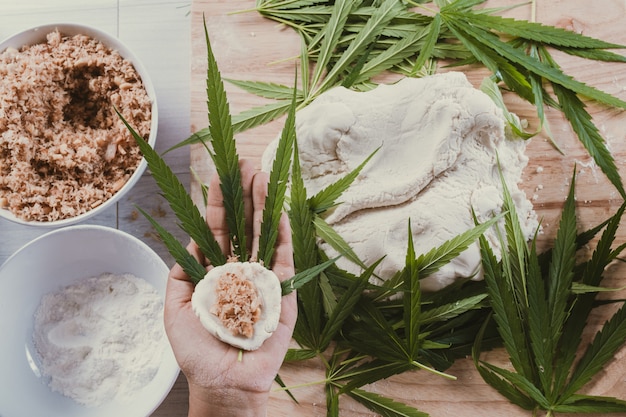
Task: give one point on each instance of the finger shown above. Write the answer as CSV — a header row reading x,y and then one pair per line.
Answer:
x,y
282,261
179,287
177,272
178,293
259,194
216,215
247,177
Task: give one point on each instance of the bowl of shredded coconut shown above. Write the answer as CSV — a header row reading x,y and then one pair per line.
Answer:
x,y
82,326
65,154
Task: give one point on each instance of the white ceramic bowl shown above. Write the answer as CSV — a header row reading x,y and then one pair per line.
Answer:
x,y
47,264
37,35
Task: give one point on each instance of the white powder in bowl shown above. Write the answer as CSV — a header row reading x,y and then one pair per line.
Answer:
x,y
100,339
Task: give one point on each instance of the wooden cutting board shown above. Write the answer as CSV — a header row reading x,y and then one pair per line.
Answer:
x,y
249,47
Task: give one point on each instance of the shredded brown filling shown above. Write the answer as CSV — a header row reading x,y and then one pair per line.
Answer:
x,y
238,305
63,149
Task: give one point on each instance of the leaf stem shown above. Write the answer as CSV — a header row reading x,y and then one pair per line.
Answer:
x,y
252,9
433,370
303,385
421,6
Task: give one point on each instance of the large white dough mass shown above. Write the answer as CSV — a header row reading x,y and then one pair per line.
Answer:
x,y
440,140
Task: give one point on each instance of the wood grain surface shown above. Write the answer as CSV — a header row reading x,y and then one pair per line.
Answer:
x,y
249,47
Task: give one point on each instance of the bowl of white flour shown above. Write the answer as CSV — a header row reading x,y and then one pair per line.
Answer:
x,y
81,318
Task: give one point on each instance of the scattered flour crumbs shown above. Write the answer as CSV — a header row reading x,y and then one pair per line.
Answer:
x,y
440,140
100,339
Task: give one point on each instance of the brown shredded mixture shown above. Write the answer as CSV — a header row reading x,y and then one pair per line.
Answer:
x,y
238,306
63,149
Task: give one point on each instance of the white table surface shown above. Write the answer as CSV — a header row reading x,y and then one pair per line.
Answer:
x,y
158,32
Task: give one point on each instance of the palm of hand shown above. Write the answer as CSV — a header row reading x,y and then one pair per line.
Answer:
x,y
206,361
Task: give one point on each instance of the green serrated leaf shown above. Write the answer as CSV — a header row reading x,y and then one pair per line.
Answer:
x,y
295,355
579,289
592,274
303,277
392,55
344,307
539,97
305,60
534,31
561,271
181,255
506,312
542,333
267,89
437,257
277,187
204,188
542,341
247,119
332,401
507,389
374,335
594,54
514,258
355,72
589,135
192,222
372,28
548,72
224,154
458,5
602,349
489,87
330,236
412,299
448,311
327,197
368,372
501,67
603,254
260,115
332,32
384,406
305,257
429,43
280,382
591,404
301,219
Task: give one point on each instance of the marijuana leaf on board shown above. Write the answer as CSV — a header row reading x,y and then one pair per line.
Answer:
x,y
541,318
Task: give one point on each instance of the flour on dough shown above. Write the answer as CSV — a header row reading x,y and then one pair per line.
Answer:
x,y
440,140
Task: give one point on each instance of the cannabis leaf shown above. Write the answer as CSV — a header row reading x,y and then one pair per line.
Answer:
x,y
539,302
309,323
384,406
540,318
191,221
190,265
224,154
301,278
277,187
349,43
327,197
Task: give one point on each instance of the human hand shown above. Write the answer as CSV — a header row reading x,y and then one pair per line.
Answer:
x,y
221,382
